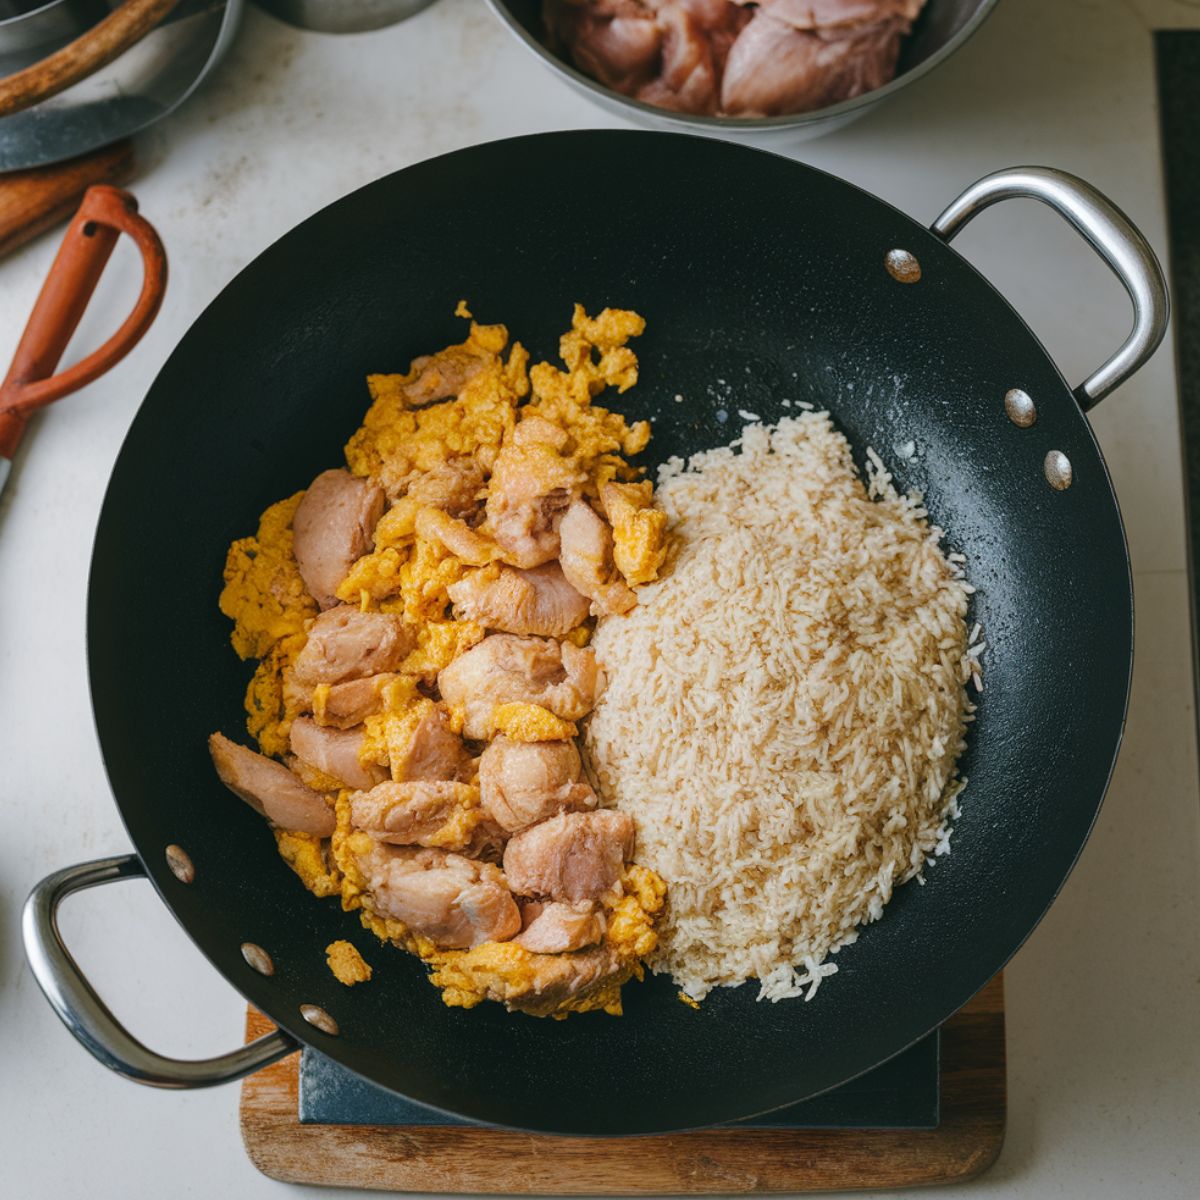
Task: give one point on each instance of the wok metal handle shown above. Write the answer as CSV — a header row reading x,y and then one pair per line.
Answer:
x,y
87,1016
1109,232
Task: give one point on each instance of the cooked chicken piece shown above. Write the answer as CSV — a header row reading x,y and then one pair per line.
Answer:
x,y
435,752
539,601
775,68
270,788
344,705
417,814
346,643
586,555
521,783
555,979
332,527
442,375
454,901
504,668
334,752
639,531
557,928
533,483
617,42
457,536
453,487
573,856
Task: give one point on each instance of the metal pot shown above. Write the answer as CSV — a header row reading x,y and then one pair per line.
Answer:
x,y
943,26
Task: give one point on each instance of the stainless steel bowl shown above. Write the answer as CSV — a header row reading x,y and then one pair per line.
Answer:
x,y
942,27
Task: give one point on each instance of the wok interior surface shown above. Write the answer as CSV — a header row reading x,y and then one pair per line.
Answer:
x,y
761,280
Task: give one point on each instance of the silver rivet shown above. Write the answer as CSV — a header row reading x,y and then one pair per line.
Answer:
x,y
1020,408
180,863
258,958
1058,470
318,1017
902,266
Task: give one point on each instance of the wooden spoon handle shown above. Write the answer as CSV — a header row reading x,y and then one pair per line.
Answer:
x,y
38,199
84,56
106,213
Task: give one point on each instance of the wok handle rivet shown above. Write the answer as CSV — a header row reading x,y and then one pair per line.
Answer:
x,y
257,958
1021,410
180,863
1058,470
316,1016
902,266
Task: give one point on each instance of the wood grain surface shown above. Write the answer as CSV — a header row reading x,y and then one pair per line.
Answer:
x,y
38,199
411,1159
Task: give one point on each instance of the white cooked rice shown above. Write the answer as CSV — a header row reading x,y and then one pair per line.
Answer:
x,y
785,707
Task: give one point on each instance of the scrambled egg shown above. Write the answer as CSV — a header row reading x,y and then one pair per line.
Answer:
x,y
459,406
348,966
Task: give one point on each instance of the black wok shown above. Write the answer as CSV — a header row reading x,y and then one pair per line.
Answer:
x,y
750,269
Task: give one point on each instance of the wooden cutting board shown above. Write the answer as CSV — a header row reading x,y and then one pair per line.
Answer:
x,y
471,1160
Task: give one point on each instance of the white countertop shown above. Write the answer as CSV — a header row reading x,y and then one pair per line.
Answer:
x,y
1104,1000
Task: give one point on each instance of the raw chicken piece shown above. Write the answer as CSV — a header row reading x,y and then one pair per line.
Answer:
x,y
618,42
573,856
346,643
533,483
453,487
838,14
521,783
586,555
348,704
270,788
539,601
775,67
687,79
435,752
417,814
558,928
504,669
454,901
334,752
332,527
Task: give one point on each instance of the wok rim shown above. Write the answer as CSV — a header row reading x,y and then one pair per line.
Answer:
x,y
292,1023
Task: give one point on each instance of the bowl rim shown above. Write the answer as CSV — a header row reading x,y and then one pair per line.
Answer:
x,y
844,108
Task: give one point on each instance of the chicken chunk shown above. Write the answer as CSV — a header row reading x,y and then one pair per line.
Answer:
x,y
270,788
440,376
504,668
776,67
539,601
346,643
425,813
573,856
558,927
533,483
587,560
457,536
521,783
454,901
556,979
334,752
344,705
435,752
332,528
453,488
617,42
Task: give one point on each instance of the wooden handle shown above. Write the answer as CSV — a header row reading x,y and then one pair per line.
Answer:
x,y
106,213
84,56
36,200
